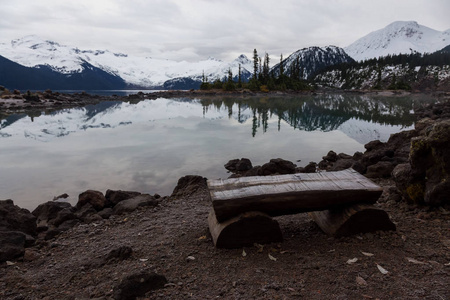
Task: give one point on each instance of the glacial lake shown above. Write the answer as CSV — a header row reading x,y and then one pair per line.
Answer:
x,y
148,145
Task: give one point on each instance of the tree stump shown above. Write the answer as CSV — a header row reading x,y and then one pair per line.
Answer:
x,y
354,219
244,230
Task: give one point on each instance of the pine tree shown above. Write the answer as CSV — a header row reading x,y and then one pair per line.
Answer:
x,y
255,64
266,70
239,77
281,65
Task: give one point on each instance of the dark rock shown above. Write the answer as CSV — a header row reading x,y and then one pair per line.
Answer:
x,y
231,165
93,218
48,211
277,166
238,165
430,166
358,155
12,245
114,197
373,145
382,169
331,156
52,233
62,216
84,212
14,218
424,125
106,213
136,285
119,254
132,204
66,225
244,164
95,198
310,168
359,167
188,185
344,156
342,164
401,175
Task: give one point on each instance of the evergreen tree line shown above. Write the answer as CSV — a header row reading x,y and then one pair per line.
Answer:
x,y
262,78
439,59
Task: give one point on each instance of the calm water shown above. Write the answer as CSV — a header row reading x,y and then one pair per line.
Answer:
x,y
147,146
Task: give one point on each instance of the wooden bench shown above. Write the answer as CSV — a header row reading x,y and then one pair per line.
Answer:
x,y
341,203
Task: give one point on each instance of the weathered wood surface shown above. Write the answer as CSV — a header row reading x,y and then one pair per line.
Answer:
x,y
290,194
353,219
244,230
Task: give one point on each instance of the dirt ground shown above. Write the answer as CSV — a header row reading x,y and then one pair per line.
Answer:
x,y
173,240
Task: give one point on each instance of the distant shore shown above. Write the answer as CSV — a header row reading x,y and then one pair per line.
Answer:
x,y
17,102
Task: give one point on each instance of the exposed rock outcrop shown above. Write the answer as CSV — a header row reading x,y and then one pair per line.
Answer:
x,y
17,230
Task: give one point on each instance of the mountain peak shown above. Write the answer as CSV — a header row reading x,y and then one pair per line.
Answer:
x,y
396,38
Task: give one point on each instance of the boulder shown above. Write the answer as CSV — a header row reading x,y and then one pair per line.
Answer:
x,y
95,198
63,215
238,165
309,168
14,218
48,211
113,197
331,156
243,165
231,165
106,213
277,166
188,185
427,180
132,204
373,145
85,212
12,245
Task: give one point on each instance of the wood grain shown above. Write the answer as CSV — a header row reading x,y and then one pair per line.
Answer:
x,y
290,194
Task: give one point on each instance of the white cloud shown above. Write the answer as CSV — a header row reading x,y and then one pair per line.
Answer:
x,y
196,29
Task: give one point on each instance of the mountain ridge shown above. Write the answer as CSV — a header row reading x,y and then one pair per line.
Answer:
x,y
400,37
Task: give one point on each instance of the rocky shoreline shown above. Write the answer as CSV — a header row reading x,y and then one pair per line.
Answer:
x,y
151,246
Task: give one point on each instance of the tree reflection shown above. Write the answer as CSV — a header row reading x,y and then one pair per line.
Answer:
x,y
322,112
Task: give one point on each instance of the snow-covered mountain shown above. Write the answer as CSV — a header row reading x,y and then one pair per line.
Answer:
x,y
313,59
398,38
144,72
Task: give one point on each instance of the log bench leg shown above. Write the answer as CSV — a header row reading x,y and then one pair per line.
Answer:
x,y
244,230
353,219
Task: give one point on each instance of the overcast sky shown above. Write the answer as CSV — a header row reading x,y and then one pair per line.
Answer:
x,y
197,29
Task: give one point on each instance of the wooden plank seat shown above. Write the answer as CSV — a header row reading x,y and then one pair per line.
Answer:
x,y
339,202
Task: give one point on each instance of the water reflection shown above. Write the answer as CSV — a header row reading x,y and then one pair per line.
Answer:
x,y
147,146
308,113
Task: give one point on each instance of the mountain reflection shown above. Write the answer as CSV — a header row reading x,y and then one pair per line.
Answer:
x,y
324,113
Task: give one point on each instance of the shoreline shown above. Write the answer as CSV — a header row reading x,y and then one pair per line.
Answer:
x,y
22,103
